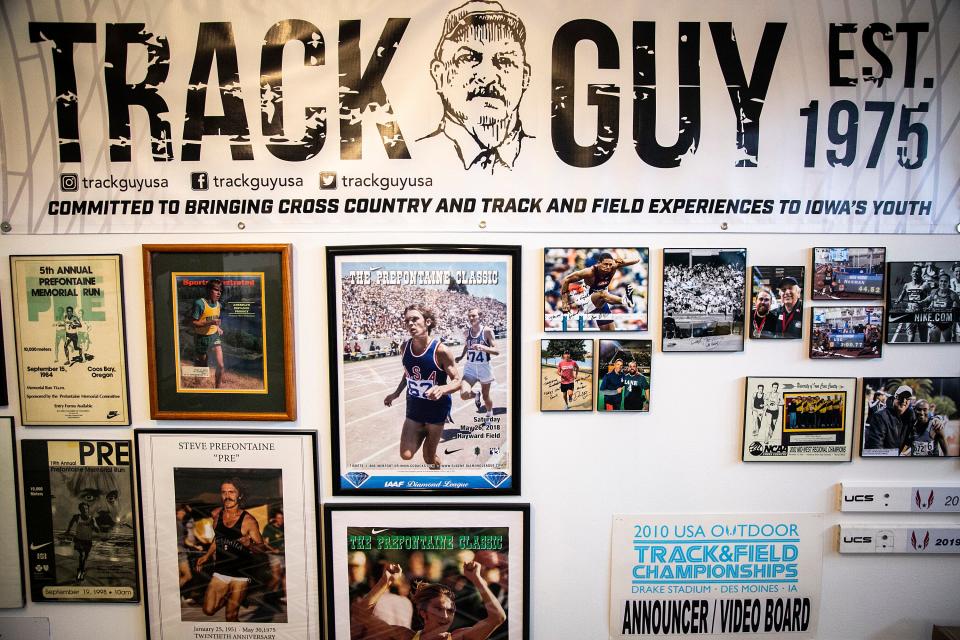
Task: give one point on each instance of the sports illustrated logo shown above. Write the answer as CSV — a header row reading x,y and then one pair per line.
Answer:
x,y
69,182
919,545
199,181
328,179
920,503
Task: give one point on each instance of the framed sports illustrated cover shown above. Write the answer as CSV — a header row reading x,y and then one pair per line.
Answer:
x,y
799,419
846,332
427,570
848,273
595,289
566,375
624,369
215,509
81,528
424,369
70,340
910,417
703,299
923,302
776,302
12,591
220,331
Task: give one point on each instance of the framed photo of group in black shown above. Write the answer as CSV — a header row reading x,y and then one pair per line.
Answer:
x,y
424,369
220,331
230,533
427,570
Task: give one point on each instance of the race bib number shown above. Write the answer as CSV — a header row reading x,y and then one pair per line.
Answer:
x,y
418,388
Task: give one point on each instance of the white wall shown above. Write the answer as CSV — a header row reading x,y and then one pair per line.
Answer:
x,y
578,469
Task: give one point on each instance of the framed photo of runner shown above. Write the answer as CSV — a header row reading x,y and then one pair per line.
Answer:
x,y
70,340
424,369
220,332
846,332
848,273
566,375
78,503
923,302
624,375
595,289
703,300
215,509
389,566
910,417
12,591
799,419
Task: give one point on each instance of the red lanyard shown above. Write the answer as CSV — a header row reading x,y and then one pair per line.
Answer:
x,y
785,320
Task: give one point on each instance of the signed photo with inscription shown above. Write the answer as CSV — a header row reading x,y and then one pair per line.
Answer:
x,y
70,340
81,527
230,533
799,419
220,331
566,375
417,571
423,363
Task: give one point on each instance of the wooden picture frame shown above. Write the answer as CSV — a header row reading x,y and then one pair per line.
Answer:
x,y
250,324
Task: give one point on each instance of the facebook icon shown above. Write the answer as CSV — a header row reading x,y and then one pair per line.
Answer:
x,y
199,181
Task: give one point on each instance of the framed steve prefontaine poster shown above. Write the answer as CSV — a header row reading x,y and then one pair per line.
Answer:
x,y
12,593
414,571
424,369
216,507
81,528
799,419
70,340
220,331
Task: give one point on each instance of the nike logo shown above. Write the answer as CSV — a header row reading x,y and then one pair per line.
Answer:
x,y
376,531
448,452
34,547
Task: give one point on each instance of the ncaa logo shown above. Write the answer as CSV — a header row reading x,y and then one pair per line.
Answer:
x,y
756,449
328,179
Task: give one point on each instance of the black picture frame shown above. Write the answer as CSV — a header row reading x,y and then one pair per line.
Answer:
x,y
424,517
553,390
933,387
151,587
482,469
269,393
11,480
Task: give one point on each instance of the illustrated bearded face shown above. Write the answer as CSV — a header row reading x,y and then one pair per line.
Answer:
x,y
481,74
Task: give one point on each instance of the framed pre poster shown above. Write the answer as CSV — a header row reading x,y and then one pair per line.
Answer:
x,y
703,299
416,571
70,340
566,375
799,419
848,273
595,289
215,509
923,302
916,417
220,332
81,528
776,302
623,375
12,593
846,332
423,368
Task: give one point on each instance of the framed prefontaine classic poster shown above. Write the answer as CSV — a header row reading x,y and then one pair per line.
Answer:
x,y
70,340
684,575
415,571
424,369
230,533
220,331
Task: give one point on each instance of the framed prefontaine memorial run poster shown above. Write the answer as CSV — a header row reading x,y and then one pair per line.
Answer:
x,y
414,571
220,331
70,340
424,365
230,537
